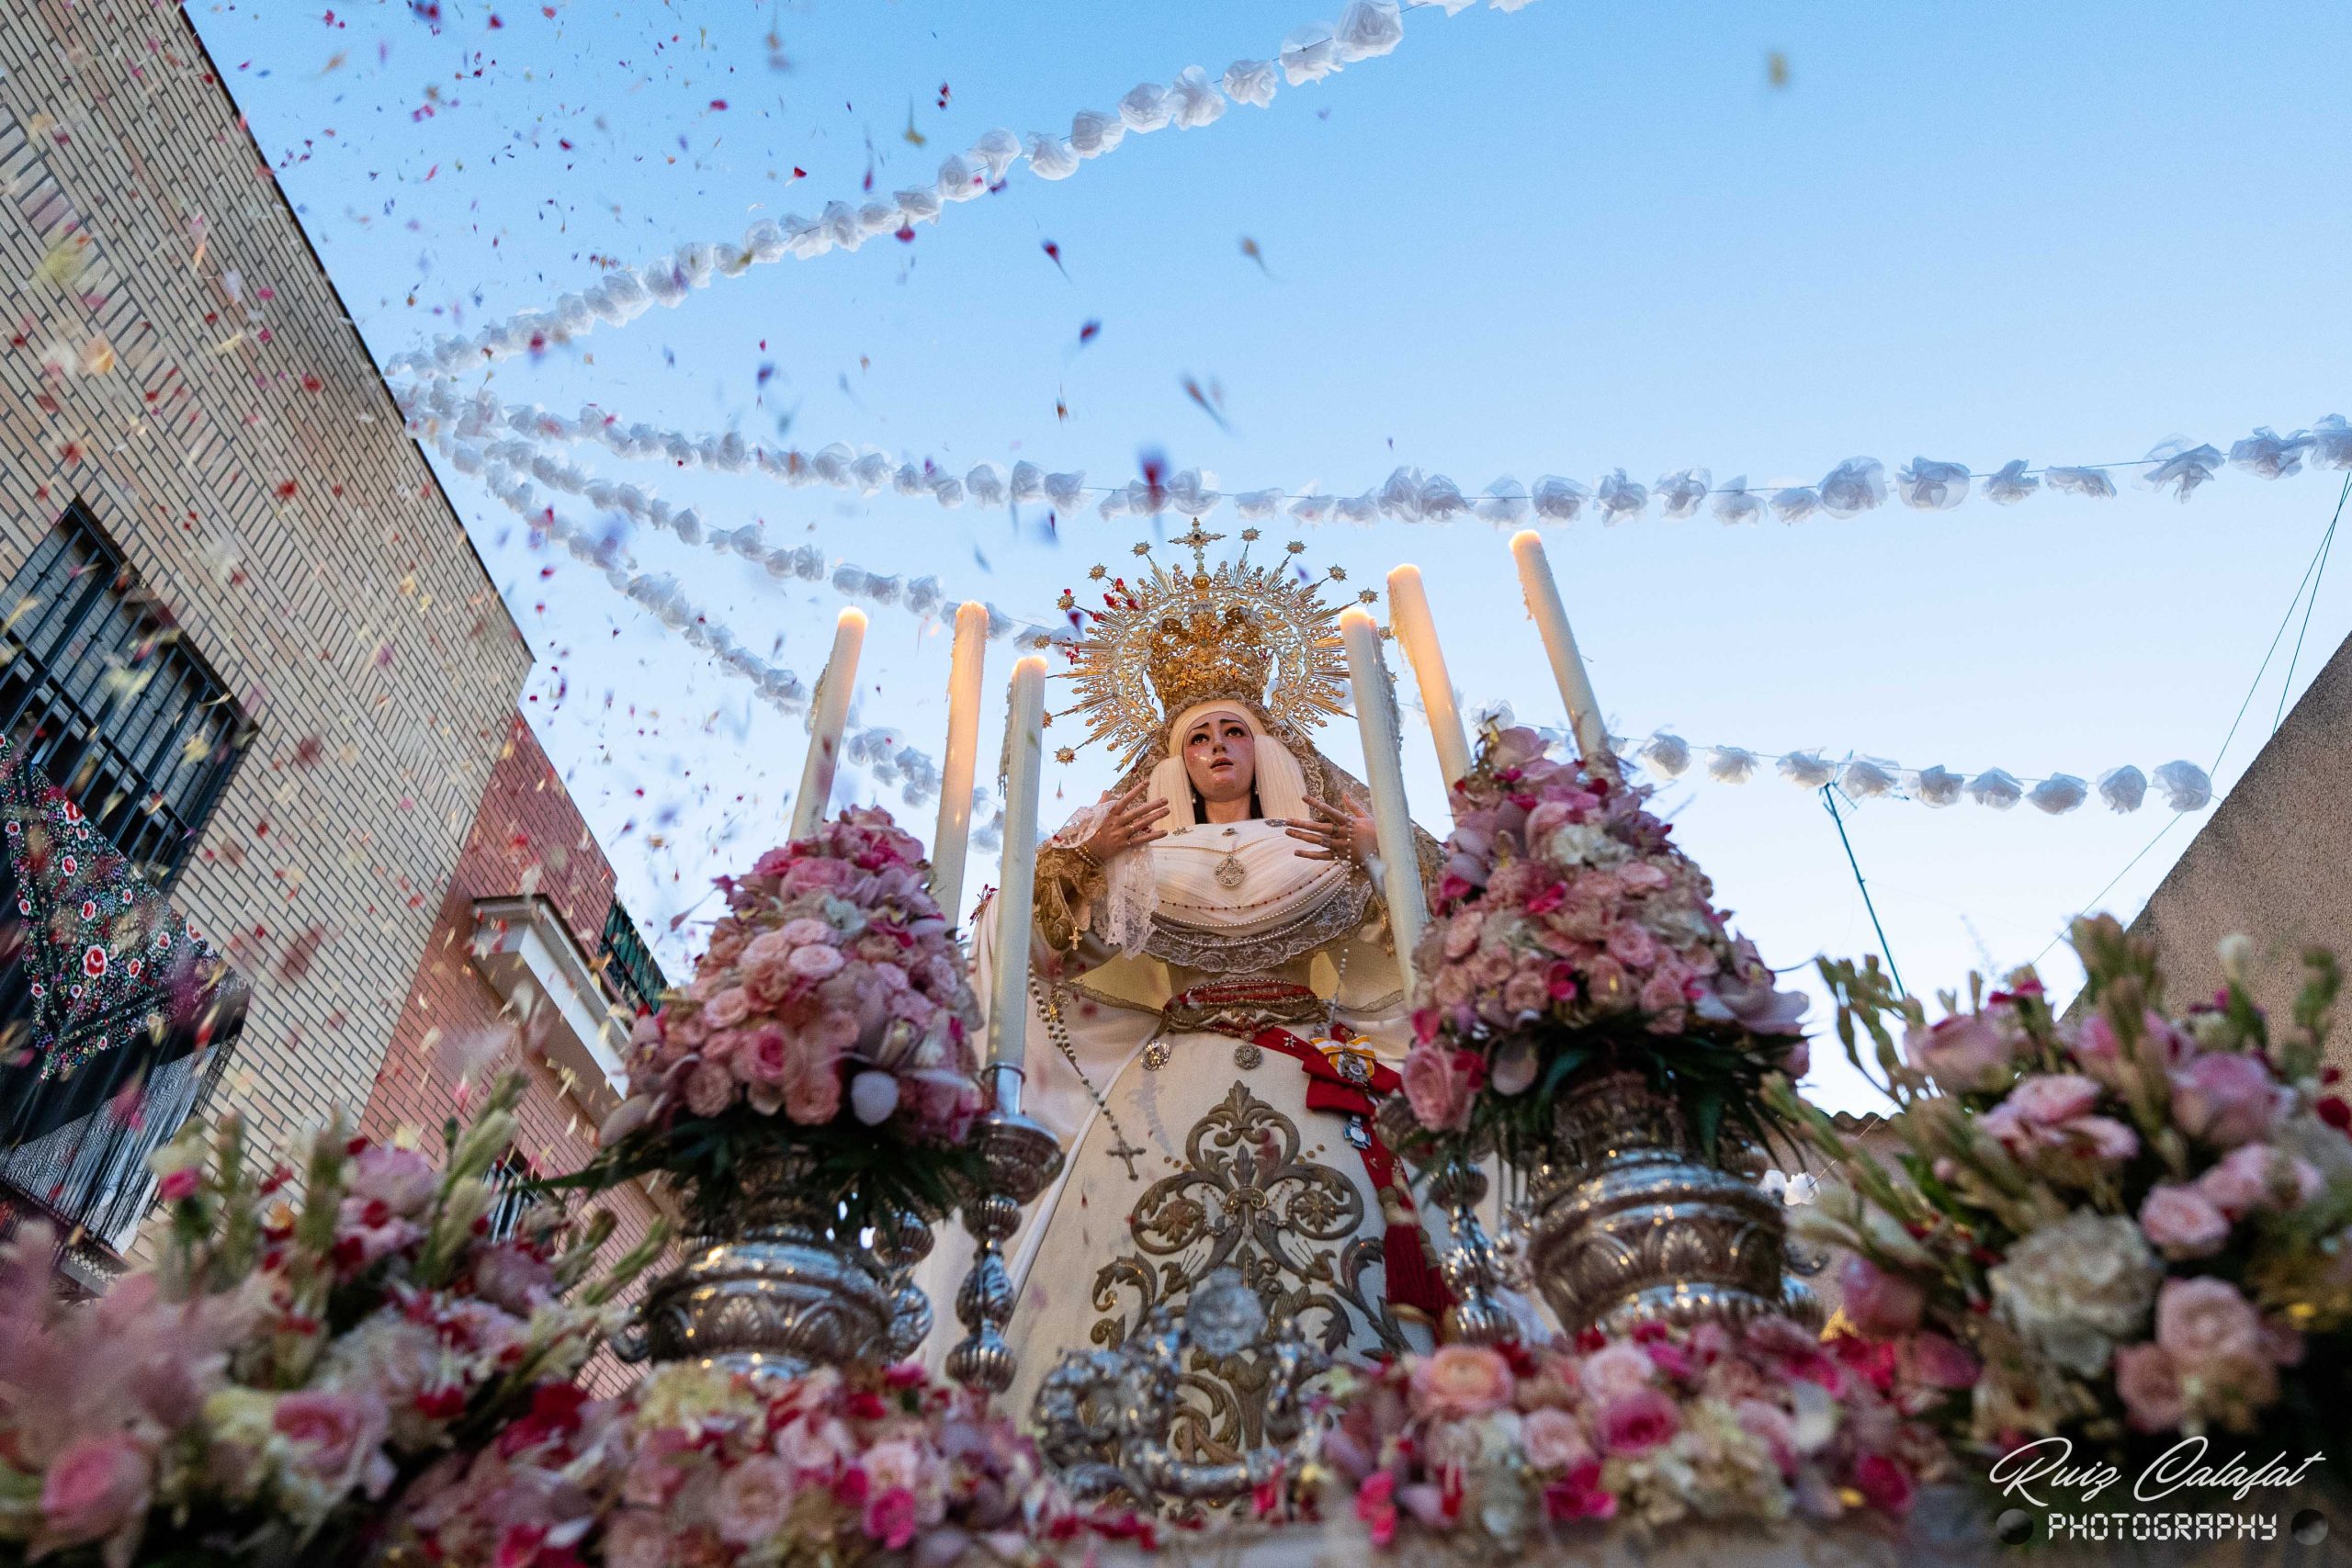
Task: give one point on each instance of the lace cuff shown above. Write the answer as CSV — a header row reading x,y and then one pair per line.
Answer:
x,y
1069,886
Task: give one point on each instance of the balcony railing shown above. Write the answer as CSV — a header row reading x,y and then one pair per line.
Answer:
x,y
628,966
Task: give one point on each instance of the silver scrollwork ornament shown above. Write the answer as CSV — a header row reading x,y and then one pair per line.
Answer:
x,y
1632,1223
776,1288
1103,1416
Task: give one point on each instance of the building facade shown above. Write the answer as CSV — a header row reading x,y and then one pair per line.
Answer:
x,y
245,637
2270,863
532,966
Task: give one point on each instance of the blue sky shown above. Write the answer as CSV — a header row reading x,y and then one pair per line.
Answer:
x,y
1560,240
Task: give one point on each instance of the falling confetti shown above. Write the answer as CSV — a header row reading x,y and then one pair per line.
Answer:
x,y
1776,69
1249,248
1086,334
1211,403
915,136
1054,253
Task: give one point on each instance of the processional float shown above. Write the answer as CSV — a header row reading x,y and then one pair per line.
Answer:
x,y
1629,1217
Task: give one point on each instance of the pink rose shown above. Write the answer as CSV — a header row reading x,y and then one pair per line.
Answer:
x,y
1553,1439
185,1182
753,1499
511,1276
1579,1494
1663,999
1937,1362
1462,934
727,1009
1884,1485
1527,992
2102,1054
99,1486
710,1089
1770,1425
1634,1424
637,1538
1461,1381
804,931
1439,1087
2224,1098
2257,1175
1614,1372
890,1517
2149,1386
336,1434
2182,1222
1631,945
1963,1054
2204,1322
812,1085
1880,1304
814,962
762,1057
2045,1100
402,1179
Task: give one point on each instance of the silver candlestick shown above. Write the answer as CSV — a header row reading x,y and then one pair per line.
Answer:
x,y
1472,1270
1019,1159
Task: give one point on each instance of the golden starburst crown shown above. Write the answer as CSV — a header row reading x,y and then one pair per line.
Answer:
x,y
1170,637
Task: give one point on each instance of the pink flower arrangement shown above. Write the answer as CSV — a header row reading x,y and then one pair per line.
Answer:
x,y
2135,1220
1563,911
696,1466
831,1013
830,984
831,990
1747,1425
277,1374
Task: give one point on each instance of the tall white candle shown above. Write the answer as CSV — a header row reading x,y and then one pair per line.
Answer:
x,y
827,716
1408,613
1016,894
1376,716
1567,665
949,843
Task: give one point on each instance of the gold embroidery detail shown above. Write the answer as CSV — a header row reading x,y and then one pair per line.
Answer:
x,y
1246,1200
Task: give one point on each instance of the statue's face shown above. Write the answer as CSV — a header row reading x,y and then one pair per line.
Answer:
x,y
1221,755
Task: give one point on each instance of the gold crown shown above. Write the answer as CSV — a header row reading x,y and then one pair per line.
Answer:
x,y
1201,653
1257,635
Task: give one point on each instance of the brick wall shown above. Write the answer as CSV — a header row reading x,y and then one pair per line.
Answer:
x,y
453,1037
174,354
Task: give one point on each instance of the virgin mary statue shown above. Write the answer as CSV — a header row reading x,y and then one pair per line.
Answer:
x,y
1215,1002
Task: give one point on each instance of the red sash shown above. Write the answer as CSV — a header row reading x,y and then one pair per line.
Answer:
x,y
1415,1286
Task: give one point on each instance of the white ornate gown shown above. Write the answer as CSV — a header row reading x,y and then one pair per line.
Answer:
x,y
1195,1138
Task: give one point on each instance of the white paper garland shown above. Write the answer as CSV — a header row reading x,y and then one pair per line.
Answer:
x,y
1853,487
515,459
2183,785
1365,30
880,749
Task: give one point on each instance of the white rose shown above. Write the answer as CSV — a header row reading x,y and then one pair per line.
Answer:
x,y
2074,1289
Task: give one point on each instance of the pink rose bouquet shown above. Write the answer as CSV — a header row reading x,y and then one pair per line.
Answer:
x,y
1568,932
830,1011
294,1359
2137,1220
696,1466
1744,1425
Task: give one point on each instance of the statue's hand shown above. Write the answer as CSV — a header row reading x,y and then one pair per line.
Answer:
x,y
1338,833
1129,823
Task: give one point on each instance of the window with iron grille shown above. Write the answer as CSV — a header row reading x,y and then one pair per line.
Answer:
x,y
628,964
100,691
512,1198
